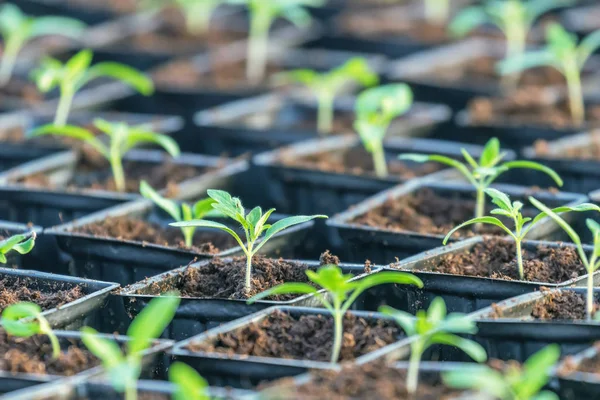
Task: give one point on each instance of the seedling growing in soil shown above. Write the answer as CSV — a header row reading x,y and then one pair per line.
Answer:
x,y
26,320
125,367
592,263
515,383
22,243
326,85
341,293
513,211
179,212
197,14
189,384
122,138
375,110
262,15
78,72
254,224
563,53
483,173
434,327
17,29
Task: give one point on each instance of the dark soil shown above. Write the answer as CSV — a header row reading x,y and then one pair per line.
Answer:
x,y
220,279
428,213
34,355
18,92
15,291
356,161
528,107
129,228
495,258
376,381
563,305
221,75
588,151
309,337
587,365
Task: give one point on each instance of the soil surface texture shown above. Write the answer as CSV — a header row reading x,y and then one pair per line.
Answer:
x,y
15,291
587,365
563,305
308,337
18,92
586,151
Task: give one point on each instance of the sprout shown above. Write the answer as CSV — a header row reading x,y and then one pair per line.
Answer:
x,y
179,212
563,54
124,369
375,109
513,211
434,327
77,72
122,139
515,383
254,224
26,320
17,29
189,384
483,173
197,13
262,15
22,243
340,290
326,85
592,263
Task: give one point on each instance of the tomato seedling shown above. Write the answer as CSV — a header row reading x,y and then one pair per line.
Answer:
x,y
22,243
26,320
189,385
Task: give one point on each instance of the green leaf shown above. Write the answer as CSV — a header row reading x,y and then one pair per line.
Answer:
x,y
380,278
254,216
261,225
468,19
284,224
388,101
136,137
198,223
128,75
13,323
471,348
535,166
480,378
578,208
469,159
284,288
151,322
203,207
536,370
480,220
402,318
62,26
106,350
189,384
11,19
500,199
561,222
357,69
74,132
587,47
490,153
77,65
304,76
27,240
421,158
533,59
169,206
437,310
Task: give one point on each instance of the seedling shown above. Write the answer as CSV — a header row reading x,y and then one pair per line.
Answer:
x,y
513,17
483,173
189,384
22,243
327,85
26,320
375,109
431,327
17,29
515,383
77,72
563,53
592,263
122,138
513,211
125,367
254,224
341,293
197,14
179,212
262,15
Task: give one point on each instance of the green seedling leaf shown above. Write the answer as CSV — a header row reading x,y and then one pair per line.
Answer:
x,y
25,319
151,322
190,385
21,243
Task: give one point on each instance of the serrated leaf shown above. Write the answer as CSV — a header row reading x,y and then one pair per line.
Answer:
x,y
500,199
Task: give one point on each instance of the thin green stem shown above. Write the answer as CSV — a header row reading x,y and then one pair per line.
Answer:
x,y
249,255
9,59
258,41
338,322
412,377
573,78
188,235
116,164
480,202
64,105
379,160
520,259
131,391
325,113
590,288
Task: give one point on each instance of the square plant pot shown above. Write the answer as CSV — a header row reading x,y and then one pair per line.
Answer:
x,y
198,314
416,216
245,371
464,293
266,122
575,383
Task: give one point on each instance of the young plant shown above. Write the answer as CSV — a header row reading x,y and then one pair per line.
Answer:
x,y
515,383
125,367
341,293
254,224
262,15
122,138
78,72
327,85
431,327
564,54
483,173
179,212
189,384
22,243
26,320
592,263
17,29
375,109
197,14
513,211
